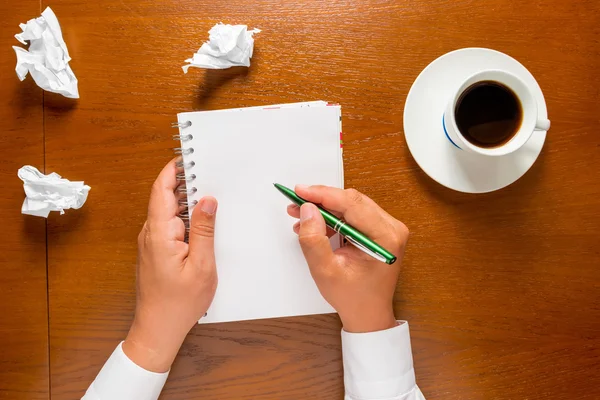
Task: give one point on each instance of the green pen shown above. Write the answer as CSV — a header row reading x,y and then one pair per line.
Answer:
x,y
353,235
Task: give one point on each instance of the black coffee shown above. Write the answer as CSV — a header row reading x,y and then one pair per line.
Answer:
x,y
488,114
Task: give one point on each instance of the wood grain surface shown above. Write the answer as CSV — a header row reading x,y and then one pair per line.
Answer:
x,y
501,290
23,285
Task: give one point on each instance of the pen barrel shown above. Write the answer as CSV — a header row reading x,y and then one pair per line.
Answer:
x,y
331,220
356,237
346,230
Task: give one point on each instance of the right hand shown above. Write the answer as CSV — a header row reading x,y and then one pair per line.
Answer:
x,y
359,287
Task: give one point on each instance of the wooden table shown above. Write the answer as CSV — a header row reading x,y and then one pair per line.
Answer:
x,y
24,364
502,290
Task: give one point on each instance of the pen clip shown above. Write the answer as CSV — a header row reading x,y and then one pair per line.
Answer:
x,y
365,250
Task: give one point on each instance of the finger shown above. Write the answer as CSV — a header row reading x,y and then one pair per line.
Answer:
x,y
313,239
202,232
333,199
296,228
178,229
293,211
182,201
163,201
357,209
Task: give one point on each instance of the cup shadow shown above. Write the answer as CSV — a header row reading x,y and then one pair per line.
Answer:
x,y
506,212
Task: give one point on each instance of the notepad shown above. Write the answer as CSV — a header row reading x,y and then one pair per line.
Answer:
x,y
237,156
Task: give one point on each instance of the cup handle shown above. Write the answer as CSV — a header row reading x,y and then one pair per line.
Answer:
x,y
542,124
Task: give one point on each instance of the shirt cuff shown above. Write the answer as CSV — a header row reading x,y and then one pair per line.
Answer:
x,y
378,365
122,379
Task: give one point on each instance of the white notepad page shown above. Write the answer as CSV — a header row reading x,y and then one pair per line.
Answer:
x,y
238,155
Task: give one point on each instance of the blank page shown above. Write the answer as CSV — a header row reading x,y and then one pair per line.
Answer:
x,y
238,155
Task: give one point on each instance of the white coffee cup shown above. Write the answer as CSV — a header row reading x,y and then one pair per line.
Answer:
x,y
531,121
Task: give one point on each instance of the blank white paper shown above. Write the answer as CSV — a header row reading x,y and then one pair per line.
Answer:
x,y
238,155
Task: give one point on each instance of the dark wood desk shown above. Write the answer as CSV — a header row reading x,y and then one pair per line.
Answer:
x,y
24,366
501,290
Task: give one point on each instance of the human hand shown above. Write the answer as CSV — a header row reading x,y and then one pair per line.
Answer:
x,y
176,281
359,287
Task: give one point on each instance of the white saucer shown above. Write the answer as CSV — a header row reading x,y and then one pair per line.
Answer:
x,y
435,154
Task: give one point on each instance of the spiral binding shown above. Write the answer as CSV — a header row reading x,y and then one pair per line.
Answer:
x,y
184,179
184,203
181,150
184,189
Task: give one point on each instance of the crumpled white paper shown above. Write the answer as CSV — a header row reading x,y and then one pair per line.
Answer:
x,y
227,46
48,58
47,193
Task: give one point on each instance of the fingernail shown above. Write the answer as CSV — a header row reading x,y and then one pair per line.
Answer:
x,y
208,205
307,211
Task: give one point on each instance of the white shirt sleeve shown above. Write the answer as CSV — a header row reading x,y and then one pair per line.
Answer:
x,y
379,365
122,379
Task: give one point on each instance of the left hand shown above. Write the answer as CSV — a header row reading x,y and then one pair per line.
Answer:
x,y
176,281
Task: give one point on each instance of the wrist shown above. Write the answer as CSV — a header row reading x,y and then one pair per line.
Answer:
x,y
369,322
151,347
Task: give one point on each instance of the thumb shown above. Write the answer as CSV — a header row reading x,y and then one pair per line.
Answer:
x,y
202,231
313,238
